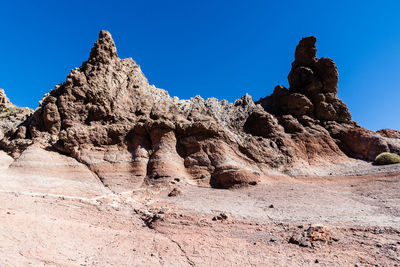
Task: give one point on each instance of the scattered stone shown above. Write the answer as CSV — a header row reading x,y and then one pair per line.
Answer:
x,y
150,217
273,239
175,192
220,217
223,216
314,236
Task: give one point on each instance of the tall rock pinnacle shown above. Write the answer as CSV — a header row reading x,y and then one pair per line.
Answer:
x,y
313,88
3,99
104,49
306,51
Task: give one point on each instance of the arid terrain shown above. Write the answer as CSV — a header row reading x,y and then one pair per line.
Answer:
x,y
112,171
58,220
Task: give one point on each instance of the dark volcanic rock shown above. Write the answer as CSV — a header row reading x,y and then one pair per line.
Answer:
x,y
313,88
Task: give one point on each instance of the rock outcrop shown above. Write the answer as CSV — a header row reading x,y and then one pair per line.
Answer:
x,y
107,116
313,88
313,95
10,115
389,133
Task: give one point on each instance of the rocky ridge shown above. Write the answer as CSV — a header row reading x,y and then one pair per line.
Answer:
x,y
107,116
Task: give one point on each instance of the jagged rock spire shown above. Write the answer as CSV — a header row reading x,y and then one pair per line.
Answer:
x,y
306,51
104,49
309,74
313,88
3,98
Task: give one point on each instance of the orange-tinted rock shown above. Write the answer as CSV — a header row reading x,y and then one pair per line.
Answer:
x,y
389,133
364,144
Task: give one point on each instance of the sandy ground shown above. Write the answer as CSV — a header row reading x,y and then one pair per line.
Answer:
x,y
146,227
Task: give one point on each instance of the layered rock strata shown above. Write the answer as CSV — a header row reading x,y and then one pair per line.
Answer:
x,y
107,116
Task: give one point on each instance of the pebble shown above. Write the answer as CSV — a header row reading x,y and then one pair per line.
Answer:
x,y
273,239
220,217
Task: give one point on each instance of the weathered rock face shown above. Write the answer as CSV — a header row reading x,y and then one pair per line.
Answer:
x,y
365,144
108,117
389,133
10,115
313,95
313,88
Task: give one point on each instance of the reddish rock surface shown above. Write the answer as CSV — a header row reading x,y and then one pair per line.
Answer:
x,y
389,133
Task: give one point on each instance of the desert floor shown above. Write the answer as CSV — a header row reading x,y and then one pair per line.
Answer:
x,y
359,216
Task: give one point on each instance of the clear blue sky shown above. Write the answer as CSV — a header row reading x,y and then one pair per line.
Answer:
x,y
209,48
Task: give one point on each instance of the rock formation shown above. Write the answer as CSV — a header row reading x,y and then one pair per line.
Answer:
x,y
313,95
10,115
313,88
108,117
